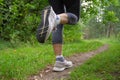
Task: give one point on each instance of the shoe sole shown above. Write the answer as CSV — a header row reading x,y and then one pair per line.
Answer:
x,y
61,69
44,30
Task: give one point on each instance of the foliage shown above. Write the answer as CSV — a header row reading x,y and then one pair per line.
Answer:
x,y
19,18
72,33
109,16
90,8
106,22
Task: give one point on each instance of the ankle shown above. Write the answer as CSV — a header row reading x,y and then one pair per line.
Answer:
x,y
60,58
58,19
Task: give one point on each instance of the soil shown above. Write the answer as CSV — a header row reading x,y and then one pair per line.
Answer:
x,y
77,59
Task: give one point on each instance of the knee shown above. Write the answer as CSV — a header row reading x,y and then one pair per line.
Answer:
x,y
72,18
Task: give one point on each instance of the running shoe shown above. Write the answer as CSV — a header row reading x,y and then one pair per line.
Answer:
x,y
60,66
48,23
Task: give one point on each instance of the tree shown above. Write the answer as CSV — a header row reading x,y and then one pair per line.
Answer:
x,y
110,19
105,12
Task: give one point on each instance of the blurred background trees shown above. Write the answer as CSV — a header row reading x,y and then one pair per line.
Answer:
x,y
105,21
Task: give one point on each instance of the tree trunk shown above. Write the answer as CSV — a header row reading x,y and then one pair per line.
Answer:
x,y
109,30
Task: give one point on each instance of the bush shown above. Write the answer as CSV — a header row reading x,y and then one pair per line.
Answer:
x,y
72,33
19,18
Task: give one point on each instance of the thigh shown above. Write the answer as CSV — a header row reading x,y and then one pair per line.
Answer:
x,y
57,6
73,6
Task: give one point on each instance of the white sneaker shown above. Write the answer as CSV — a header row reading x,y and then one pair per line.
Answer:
x,y
48,23
60,66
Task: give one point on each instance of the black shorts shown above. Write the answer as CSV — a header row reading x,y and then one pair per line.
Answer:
x,y
70,6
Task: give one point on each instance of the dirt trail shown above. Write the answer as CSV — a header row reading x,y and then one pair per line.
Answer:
x,y
77,59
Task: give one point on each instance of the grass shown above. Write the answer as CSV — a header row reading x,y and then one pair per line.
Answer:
x,y
105,66
19,62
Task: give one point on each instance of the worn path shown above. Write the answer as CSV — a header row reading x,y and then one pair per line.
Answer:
x,y
77,59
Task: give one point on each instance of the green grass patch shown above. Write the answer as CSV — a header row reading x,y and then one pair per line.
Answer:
x,y
105,66
22,61
4,44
